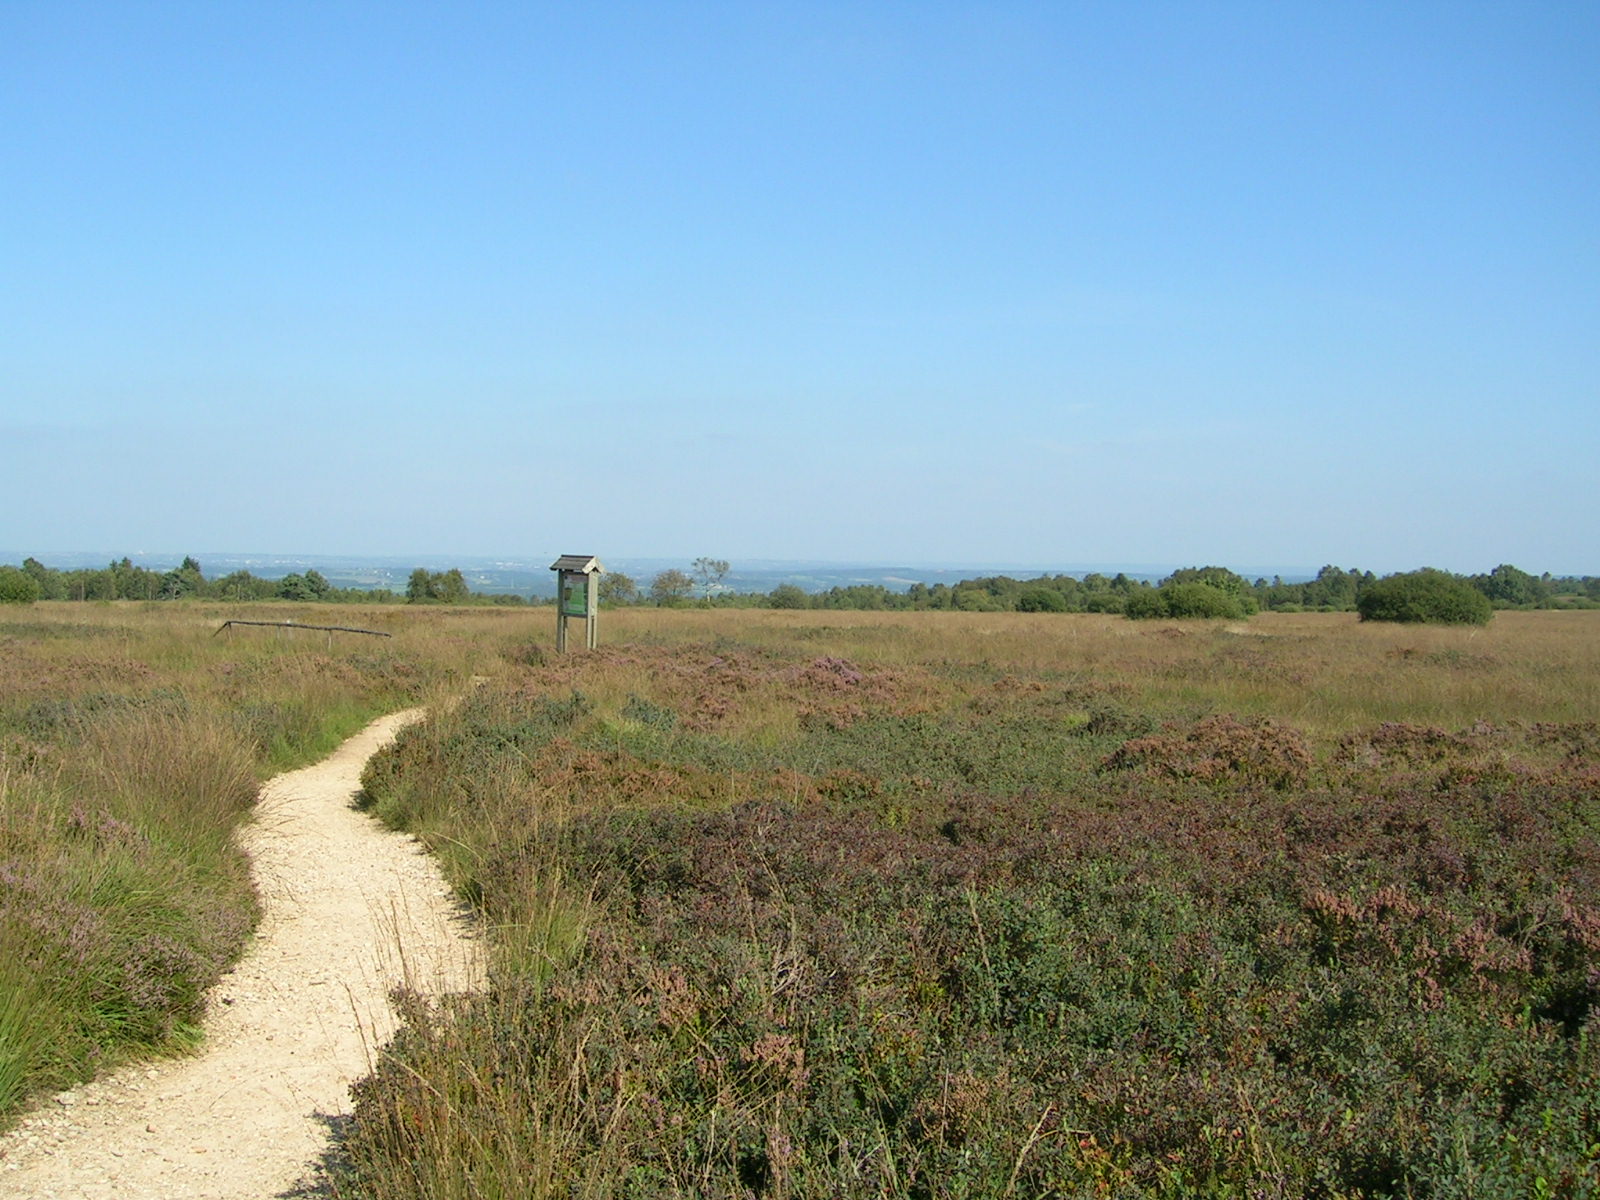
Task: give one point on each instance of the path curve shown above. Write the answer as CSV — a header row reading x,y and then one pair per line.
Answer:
x,y
349,910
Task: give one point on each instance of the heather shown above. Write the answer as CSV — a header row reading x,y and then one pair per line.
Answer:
x,y
132,742
994,906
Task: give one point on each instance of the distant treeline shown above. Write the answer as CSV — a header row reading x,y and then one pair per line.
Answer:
x,y
1192,591
125,581
1333,590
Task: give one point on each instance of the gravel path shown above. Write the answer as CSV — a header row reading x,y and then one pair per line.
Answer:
x,y
287,1031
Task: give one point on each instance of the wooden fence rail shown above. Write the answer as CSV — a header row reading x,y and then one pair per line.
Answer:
x,y
330,630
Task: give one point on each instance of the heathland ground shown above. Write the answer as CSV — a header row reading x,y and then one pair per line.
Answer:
x,y
801,904
832,903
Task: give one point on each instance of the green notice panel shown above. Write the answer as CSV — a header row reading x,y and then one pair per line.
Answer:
x,y
576,596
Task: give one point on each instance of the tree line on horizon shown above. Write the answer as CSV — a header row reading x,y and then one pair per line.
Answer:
x,y
123,580
1190,592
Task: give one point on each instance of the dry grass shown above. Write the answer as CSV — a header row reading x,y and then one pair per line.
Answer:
x,y
1327,672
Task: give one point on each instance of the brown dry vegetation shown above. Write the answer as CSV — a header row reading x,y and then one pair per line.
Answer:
x,y
1324,672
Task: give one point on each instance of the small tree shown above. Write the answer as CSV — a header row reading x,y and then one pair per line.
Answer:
x,y
419,588
451,586
710,573
1428,596
241,585
671,587
49,581
1145,603
185,580
617,588
1223,580
1202,600
1510,587
437,587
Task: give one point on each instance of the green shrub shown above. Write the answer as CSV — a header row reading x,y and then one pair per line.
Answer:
x,y
17,586
1428,596
1041,600
1193,600
1144,604
1103,602
788,595
1202,600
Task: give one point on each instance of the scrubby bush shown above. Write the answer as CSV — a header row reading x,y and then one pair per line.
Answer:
x,y
1186,600
1041,600
788,595
1144,604
1104,602
1202,600
1510,587
1427,596
17,586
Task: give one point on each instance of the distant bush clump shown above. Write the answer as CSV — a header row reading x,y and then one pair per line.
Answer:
x,y
17,586
1184,601
1041,600
1425,596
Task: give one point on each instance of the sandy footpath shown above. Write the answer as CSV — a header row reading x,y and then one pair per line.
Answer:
x,y
287,1031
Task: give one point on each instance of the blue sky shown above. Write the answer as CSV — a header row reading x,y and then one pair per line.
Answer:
x,y
1256,284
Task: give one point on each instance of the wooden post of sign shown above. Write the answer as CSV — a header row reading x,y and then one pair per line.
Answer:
x,y
578,595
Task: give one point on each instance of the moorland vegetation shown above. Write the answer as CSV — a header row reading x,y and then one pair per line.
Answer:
x,y
832,903
850,904
132,741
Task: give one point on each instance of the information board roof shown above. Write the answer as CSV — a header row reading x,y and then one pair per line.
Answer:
x,y
588,564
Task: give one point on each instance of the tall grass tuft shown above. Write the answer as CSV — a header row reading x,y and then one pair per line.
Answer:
x,y
184,777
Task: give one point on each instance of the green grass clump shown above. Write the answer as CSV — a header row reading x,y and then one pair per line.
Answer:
x,y
121,898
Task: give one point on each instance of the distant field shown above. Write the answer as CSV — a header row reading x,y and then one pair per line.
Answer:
x,y
820,904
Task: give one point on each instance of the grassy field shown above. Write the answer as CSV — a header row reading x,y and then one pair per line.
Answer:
x,y
132,740
816,904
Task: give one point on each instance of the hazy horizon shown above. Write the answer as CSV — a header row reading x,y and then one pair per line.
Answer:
x,y
270,563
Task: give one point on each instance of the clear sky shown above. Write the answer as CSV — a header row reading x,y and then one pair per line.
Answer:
x,y
1251,284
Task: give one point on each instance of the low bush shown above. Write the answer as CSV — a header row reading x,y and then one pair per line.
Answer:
x,y
1042,600
1221,749
17,586
1426,596
1184,601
